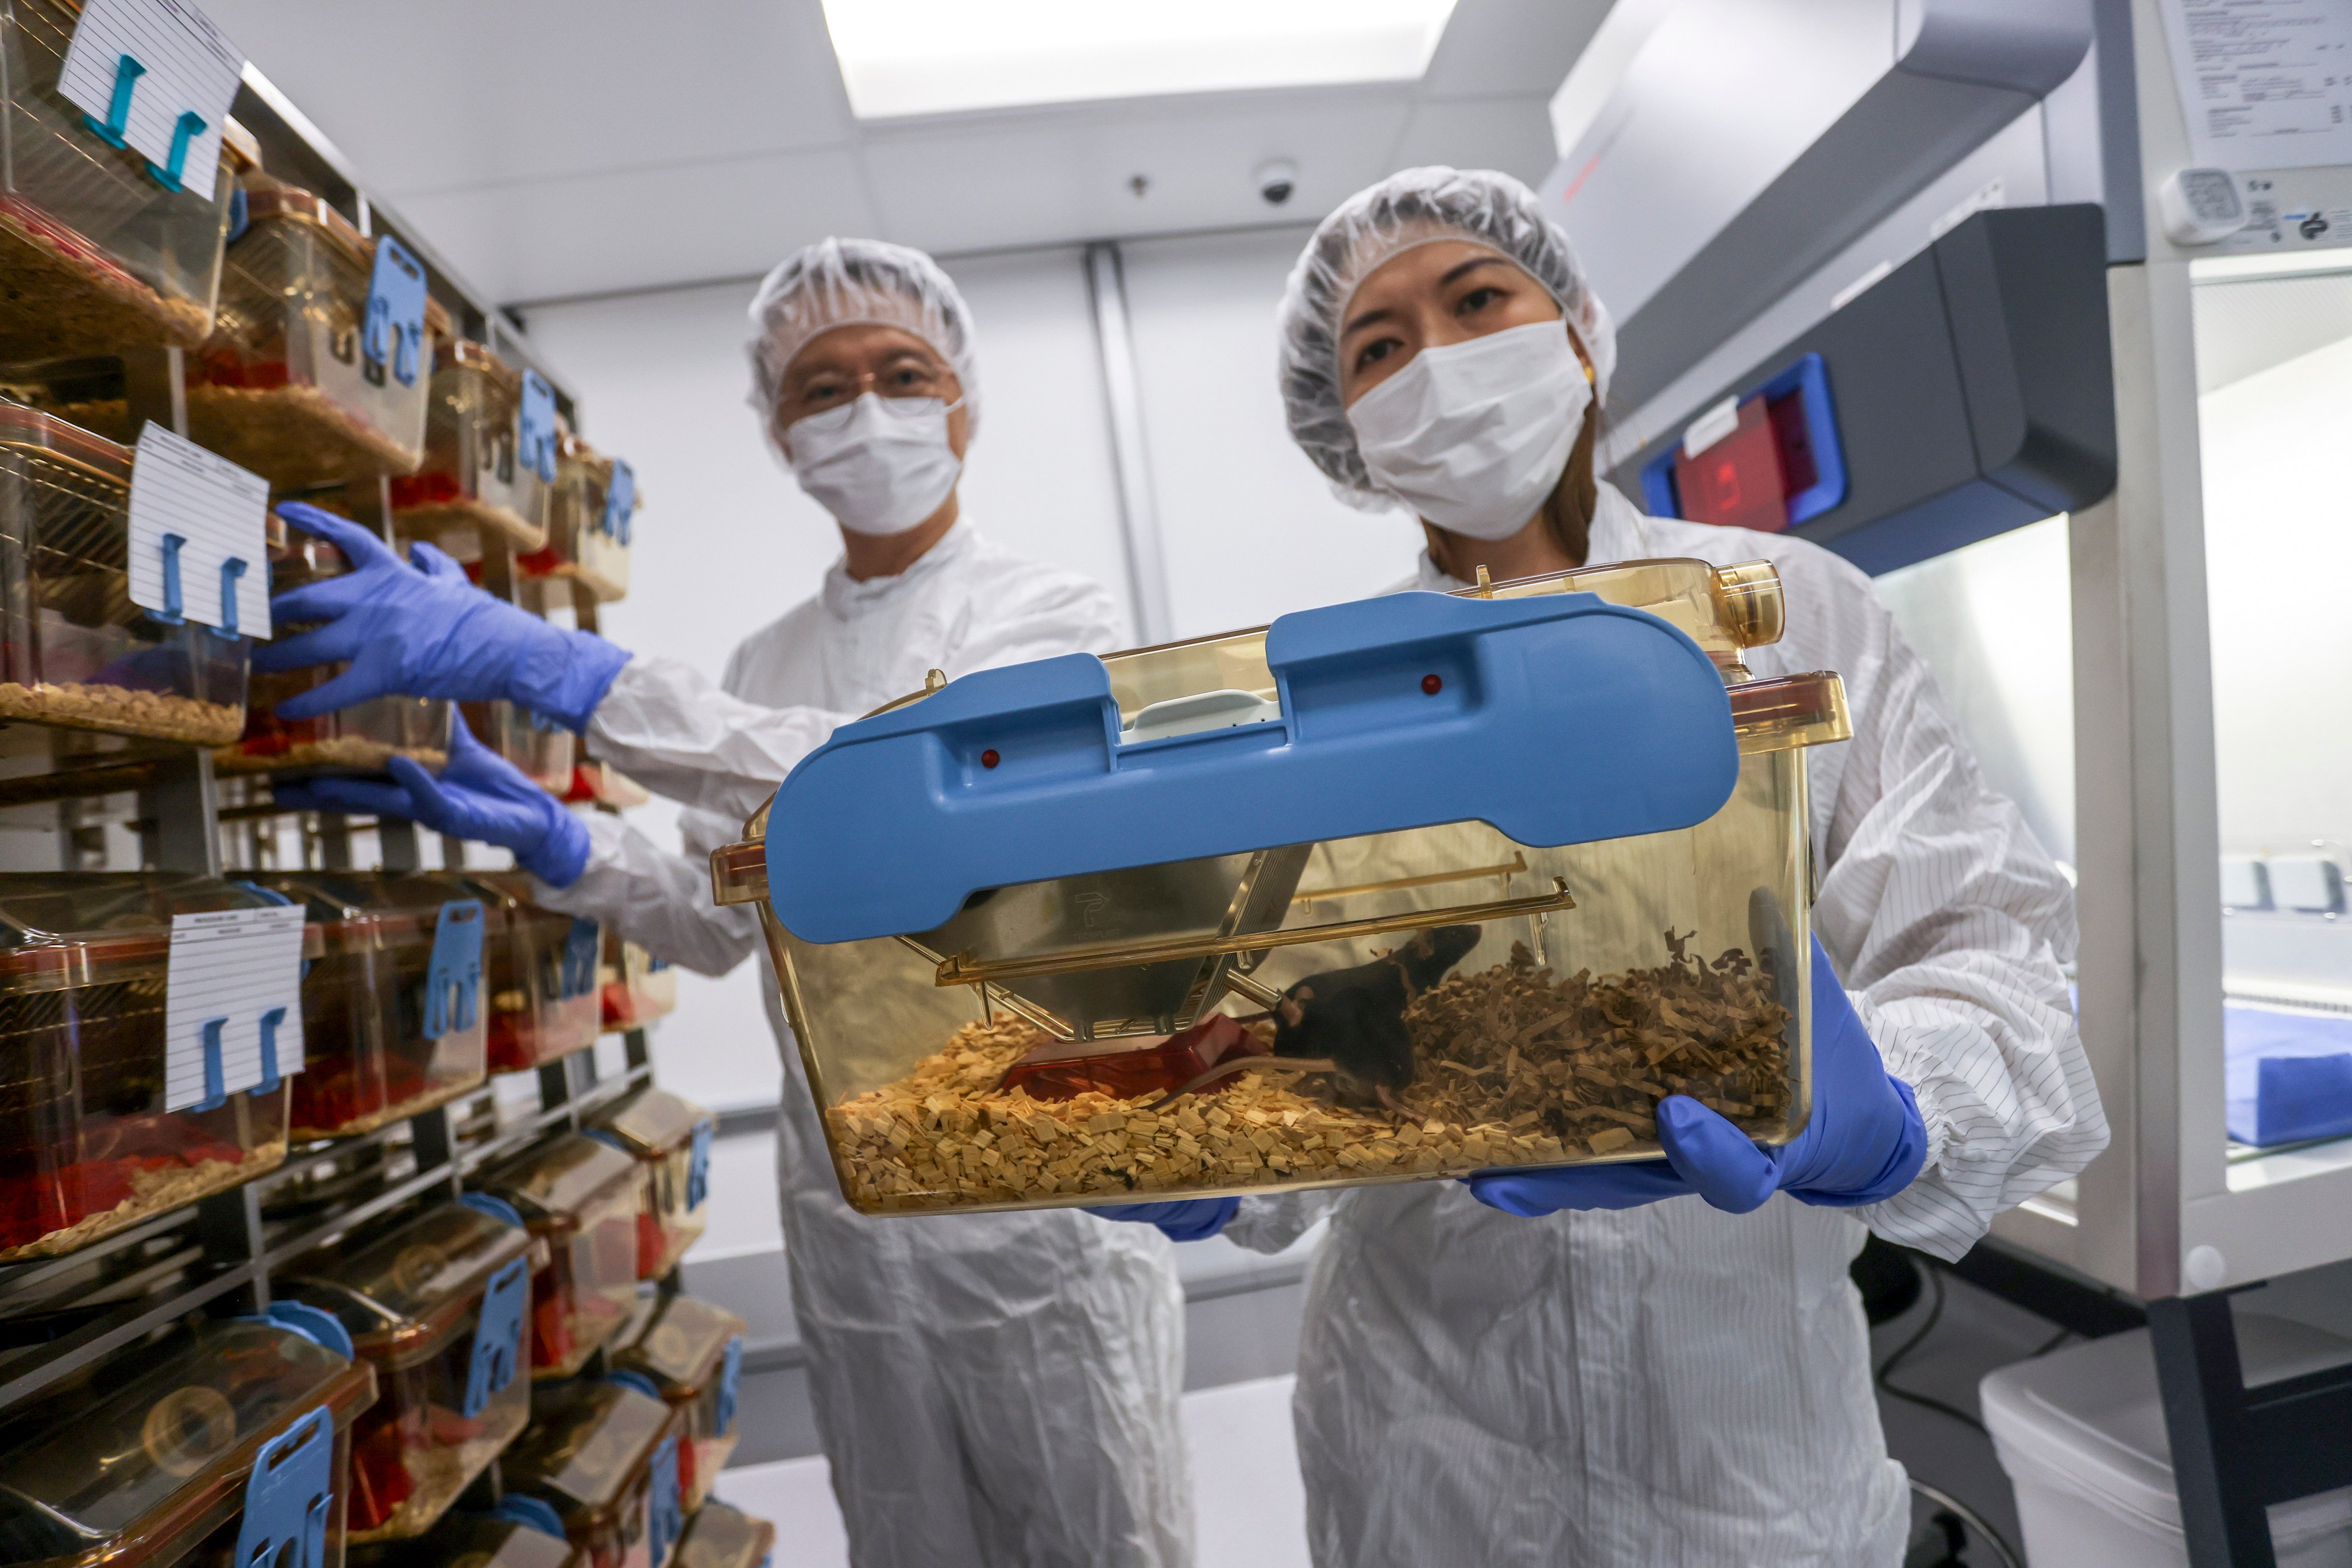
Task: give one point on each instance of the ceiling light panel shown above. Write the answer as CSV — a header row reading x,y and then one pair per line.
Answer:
x,y
939,57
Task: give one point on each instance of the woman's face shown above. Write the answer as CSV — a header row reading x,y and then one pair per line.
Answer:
x,y
1447,291
840,366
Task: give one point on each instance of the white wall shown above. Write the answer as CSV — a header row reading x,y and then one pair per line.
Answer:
x,y
1249,527
727,542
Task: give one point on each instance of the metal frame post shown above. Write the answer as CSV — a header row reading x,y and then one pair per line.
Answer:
x,y
1139,515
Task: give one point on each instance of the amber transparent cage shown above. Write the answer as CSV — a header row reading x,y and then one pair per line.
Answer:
x,y
98,254
1592,979
78,652
472,482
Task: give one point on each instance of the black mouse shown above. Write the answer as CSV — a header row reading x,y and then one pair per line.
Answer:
x,y
1354,1018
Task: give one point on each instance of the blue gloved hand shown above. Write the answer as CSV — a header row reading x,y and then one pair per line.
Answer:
x,y
479,795
1179,1219
422,630
1864,1142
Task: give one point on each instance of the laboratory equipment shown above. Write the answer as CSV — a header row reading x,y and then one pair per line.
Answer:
x,y
590,520
438,1306
605,1455
581,1198
473,481
1203,919
226,1442
693,1352
671,1138
357,738
286,385
99,253
78,652
540,974
88,1140
1965,393
637,987
718,1536
393,1012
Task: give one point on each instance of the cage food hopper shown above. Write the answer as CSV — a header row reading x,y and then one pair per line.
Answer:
x,y
394,1013
1411,887
286,385
98,253
692,1352
542,750
78,651
543,1004
671,1138
359,739
438,1306
718,1536
474,480
518,1533
227,1442
87,1146
591,517
604,1456
637,986
581,1198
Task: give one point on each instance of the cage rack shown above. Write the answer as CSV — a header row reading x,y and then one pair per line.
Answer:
x,y
60,1315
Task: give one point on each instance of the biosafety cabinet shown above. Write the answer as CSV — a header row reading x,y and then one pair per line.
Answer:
x,y
2078,399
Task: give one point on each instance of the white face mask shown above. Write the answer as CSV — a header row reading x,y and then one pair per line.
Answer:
x,y
880,464
1474,435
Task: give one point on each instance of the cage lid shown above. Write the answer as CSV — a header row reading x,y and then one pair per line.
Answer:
x,y
1556,719
33,430
409,1292
724,1537
155,1453
587,1442
678,1341
60,930
360,911
473,1541
560,1179
653,1121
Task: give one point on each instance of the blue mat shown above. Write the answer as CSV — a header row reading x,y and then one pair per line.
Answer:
x,y
2289,1075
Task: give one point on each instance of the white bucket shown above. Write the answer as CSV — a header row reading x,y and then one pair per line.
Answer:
x,y
2081,1433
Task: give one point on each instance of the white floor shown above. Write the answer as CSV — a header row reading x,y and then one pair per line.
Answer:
x,y
1253,1511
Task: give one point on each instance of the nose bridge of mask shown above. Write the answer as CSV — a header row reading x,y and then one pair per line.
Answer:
x,y
1455,379
867,409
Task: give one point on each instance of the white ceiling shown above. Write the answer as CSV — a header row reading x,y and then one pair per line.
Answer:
x,y
552,148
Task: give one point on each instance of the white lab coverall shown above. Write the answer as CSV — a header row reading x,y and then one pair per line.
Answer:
x,y
1672,1385
995,1390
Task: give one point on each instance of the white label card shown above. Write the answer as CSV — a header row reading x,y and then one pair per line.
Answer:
x,y
218,513
232,1003
182,65
2264,86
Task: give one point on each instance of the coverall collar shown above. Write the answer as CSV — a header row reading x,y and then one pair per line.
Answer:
x,y
846,598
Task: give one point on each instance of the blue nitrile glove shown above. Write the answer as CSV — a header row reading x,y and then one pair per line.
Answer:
x,y
479,795
1864,1144
422,630
1179,1219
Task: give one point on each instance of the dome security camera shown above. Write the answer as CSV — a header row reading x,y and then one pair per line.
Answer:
x,y
1275,179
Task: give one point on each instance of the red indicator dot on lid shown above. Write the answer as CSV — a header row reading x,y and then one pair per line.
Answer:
x,y
988,758
1432,684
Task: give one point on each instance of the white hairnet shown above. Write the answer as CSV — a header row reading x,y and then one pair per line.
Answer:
x,y
1418,207
841,283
